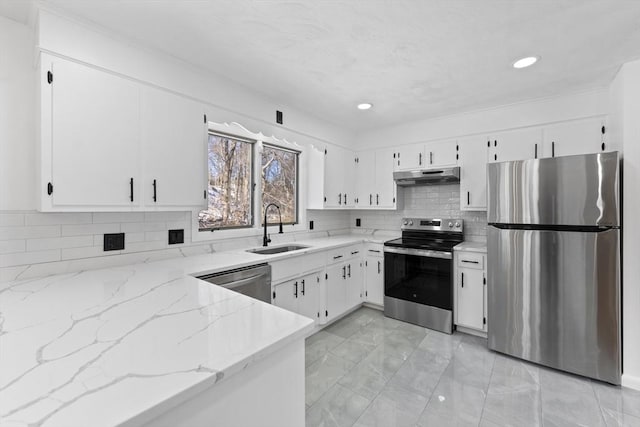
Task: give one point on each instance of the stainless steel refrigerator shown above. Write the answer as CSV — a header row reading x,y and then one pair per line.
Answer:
x,y
554,262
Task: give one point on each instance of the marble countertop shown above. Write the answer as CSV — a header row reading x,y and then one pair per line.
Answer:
x,y
125,344
471,247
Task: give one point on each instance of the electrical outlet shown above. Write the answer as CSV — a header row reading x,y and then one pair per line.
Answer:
x,y
279,117
113,242
176,236
357,222
310,225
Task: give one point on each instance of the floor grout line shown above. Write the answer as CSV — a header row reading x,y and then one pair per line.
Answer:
x,y
484,402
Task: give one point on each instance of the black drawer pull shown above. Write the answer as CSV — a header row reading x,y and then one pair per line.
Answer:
x,y
337,257
374,250
469,262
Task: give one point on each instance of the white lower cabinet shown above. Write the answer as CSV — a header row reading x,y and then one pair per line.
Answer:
x,y
470,306
374,276
300,295
343,280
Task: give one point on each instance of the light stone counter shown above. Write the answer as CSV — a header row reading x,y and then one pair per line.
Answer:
x,y
125,344
471,247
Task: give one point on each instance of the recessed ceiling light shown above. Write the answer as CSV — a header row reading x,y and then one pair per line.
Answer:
x,y
525,62
364,106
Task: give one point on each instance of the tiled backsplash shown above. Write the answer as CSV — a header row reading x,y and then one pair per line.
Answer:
x,y
429,201
33,244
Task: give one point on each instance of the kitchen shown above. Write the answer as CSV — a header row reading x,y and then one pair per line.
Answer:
x,y
58,204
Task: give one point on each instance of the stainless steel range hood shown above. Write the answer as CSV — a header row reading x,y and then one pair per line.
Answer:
x,y
427,176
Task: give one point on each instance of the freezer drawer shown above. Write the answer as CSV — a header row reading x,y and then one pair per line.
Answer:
x,y
554,299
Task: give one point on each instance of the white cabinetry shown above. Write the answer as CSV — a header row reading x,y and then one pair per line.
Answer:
x,y
473,173
574,137
440,154
331,178
375,186
519,144
105,140
470,305
409,157
300,295
90,132
374,275
174,145
343,280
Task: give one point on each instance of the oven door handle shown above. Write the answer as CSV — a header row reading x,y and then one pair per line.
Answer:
x,y
419,252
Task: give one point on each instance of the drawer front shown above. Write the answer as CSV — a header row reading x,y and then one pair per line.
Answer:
x,y
337,255
373,249
296,266
471,260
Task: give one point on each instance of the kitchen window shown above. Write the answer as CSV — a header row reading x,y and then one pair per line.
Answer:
x,y
280,183
230,165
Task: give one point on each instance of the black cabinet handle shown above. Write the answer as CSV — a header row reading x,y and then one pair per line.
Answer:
x,y
295,293
468,198
377,199
340,198
553,148
303,287
370,199
155,196
420,158
344,272
374,250
355,252
430,157
535,151
337,257
462,276
469,262
131,189
349,270
345,198
378,267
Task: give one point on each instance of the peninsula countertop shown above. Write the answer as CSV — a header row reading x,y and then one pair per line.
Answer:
x,y
125,344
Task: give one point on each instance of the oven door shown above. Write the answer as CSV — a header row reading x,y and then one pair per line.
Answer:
x,y
419,276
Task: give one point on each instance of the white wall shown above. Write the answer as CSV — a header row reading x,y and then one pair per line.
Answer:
x,y
625,117
487,121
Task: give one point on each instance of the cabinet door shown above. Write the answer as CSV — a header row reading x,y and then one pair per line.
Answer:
x,y
94,137
286,295
473,173
374,280
470,290
384,195
575,137
333,176
365,178
410,157
336,290
516,145
440,153
354,283
174,149
348,187
309,296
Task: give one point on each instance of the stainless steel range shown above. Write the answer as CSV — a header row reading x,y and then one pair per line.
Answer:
x,y
418,272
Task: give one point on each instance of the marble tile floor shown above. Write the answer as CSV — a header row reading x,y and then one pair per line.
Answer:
x,y
369,370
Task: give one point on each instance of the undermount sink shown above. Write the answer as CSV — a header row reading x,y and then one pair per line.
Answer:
x,y
276,249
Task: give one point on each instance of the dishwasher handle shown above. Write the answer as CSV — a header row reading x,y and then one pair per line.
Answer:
x,y
240,282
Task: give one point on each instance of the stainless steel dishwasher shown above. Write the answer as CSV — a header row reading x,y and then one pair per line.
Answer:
x,y
253,281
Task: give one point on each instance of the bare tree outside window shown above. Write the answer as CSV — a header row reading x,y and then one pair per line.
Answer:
x,y
280,183
230,165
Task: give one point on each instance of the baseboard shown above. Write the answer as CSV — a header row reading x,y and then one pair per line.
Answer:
x,y
631,381
374,306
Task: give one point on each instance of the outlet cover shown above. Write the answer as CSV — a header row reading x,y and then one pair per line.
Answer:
x,y
310,225
176,236
113,242
357,222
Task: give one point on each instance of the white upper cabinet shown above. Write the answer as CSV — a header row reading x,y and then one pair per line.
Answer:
x,y
90,132
409,157
375,187
174,143
105,140
440,154
473,173
574,137
519,144
331,178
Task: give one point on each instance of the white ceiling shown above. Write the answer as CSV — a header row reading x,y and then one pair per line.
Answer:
x,y
412,59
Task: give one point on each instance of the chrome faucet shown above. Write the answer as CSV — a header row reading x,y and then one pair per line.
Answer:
x,y
266,239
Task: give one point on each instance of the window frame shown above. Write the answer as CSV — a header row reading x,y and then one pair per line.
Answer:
x,y
253,144
297,192
251,236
